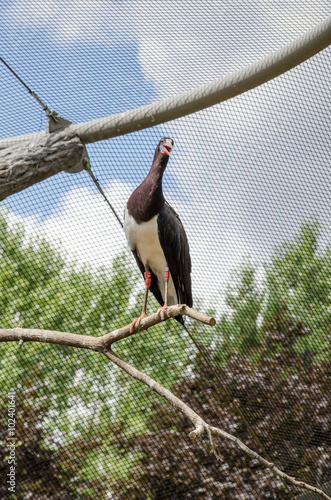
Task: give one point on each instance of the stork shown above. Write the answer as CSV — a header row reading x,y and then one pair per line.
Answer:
x,y
158,240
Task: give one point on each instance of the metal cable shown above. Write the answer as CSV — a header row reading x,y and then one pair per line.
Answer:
x,y
49,112
87,167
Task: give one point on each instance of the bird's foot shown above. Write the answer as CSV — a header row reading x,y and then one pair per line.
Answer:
x,y
136,322
161,312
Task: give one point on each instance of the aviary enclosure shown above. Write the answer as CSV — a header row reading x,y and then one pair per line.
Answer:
x,y
240,409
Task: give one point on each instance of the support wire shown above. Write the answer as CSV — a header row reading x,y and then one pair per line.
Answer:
x,y
48,111
87,167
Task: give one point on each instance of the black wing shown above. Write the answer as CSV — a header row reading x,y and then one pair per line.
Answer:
x,y
175,247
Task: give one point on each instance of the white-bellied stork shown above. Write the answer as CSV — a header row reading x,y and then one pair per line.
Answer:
x,y
158,240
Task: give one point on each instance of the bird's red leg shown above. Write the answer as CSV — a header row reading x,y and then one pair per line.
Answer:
x,y
148,281
166,278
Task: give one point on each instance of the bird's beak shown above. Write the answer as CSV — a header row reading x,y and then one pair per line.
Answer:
x,y
166,147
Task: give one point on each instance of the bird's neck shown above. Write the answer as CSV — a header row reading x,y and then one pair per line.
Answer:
x,y
148,200
155,175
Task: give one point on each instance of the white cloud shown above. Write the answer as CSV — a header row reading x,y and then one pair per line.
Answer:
x,y
85,20
181,45
84,224
204,41
216,249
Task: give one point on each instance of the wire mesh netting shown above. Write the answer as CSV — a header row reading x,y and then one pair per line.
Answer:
x,y
250,179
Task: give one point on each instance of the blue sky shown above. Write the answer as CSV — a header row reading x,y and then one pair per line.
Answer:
x,y
243,174
80,80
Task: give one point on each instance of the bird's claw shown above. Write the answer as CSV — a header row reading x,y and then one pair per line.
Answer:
x,y
161,312
136,322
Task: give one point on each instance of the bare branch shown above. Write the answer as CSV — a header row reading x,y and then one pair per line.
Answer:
x,y
155,386
300,484
103,344
99,343
50,337
154,319
26,164
201,426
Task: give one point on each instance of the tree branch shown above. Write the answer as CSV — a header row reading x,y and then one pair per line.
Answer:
x,y
154,319
26,164
99,343
103,344
201,426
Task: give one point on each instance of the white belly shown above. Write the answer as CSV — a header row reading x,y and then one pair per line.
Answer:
x,y
144,239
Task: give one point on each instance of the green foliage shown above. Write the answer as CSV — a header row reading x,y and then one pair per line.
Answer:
x,y
240,329
40,290
81,394
93,426
272,361
296,291
299,286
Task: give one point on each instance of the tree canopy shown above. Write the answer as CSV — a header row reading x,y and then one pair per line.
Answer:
x,y
88,430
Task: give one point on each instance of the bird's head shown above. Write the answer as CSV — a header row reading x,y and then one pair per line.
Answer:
x,y
165,146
